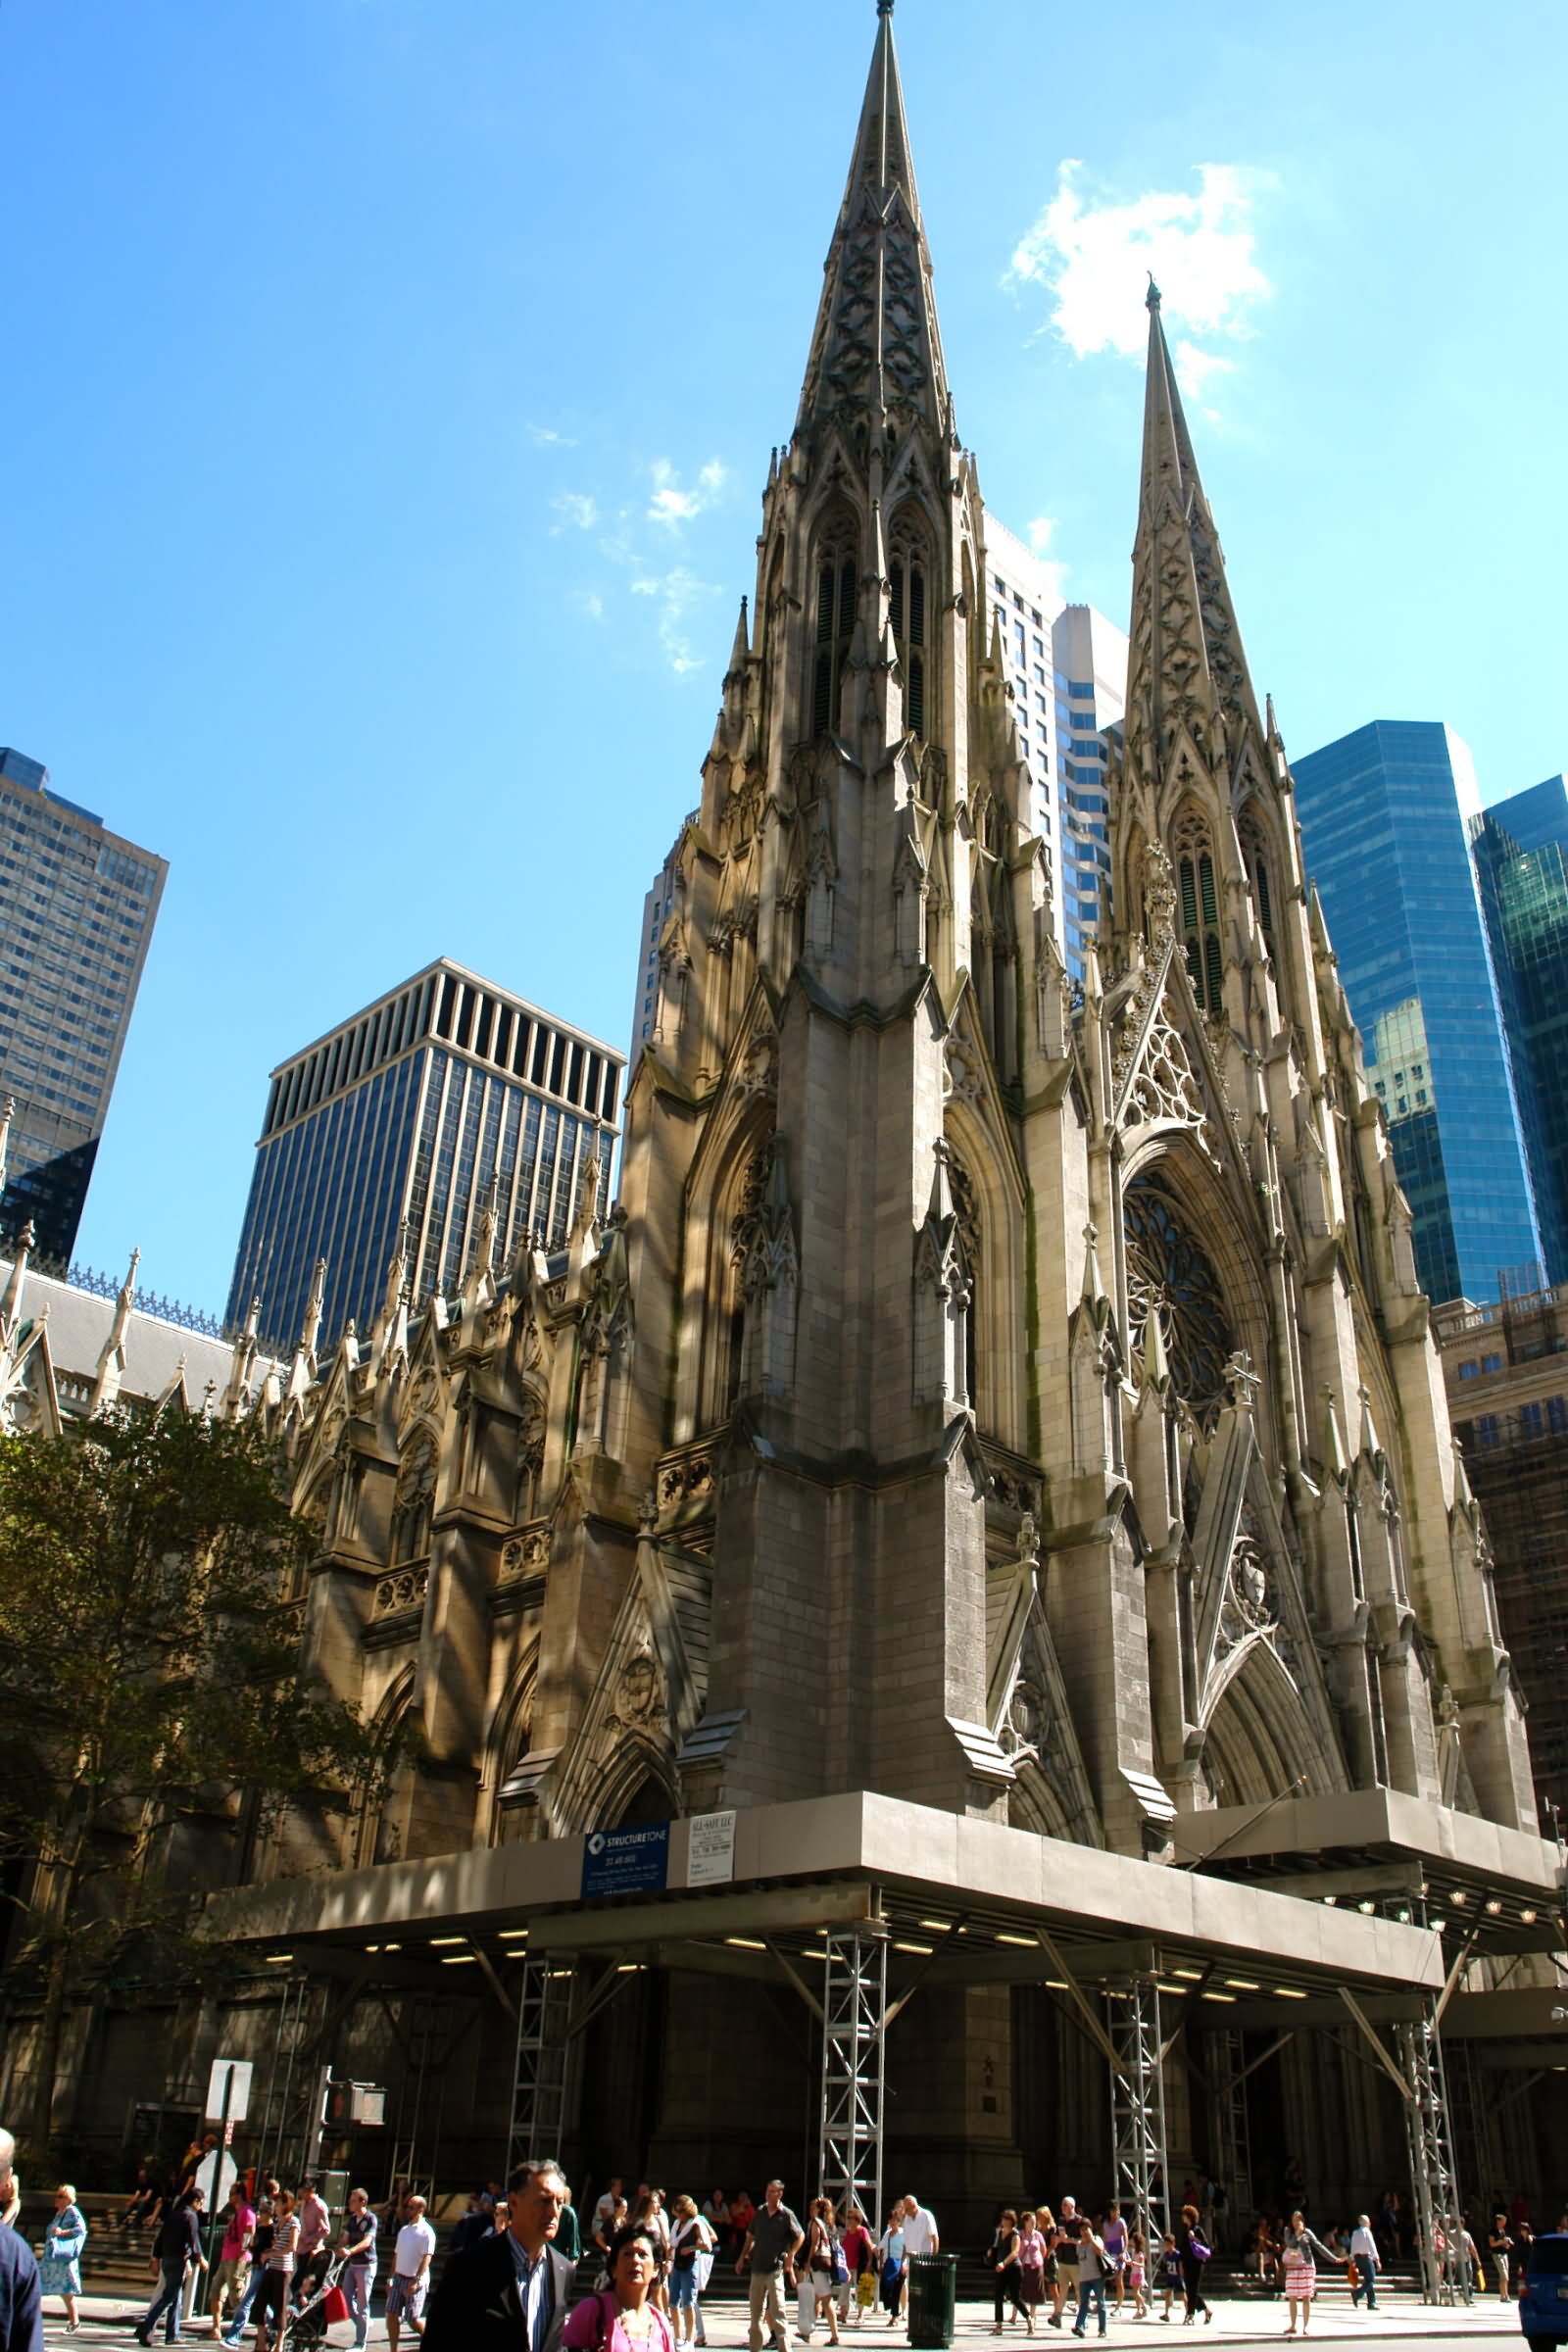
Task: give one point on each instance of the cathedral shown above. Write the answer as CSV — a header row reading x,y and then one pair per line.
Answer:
x,y
990,1467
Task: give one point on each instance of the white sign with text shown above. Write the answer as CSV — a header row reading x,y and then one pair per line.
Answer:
x,y
711,1849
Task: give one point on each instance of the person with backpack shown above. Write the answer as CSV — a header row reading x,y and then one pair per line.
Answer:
x,y
624,2318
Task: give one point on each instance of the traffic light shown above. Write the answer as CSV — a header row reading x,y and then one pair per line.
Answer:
x,y
333,2105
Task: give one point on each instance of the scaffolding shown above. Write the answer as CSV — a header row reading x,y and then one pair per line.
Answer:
x,y
288,2104
855,2020
433,2024
1232,2147
1445,2274
539,2075
1474,2125
1138,2101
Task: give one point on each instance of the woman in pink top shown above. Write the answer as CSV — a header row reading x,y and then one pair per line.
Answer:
x,y
625,2318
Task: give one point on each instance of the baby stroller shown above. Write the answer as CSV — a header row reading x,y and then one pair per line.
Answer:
x,y
317,2313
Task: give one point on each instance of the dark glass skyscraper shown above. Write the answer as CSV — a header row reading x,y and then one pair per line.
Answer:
x,y
406,1115
1382,825
78,906
1521,855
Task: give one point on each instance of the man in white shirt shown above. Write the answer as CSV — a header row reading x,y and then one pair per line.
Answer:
x,y
605,2210
920,2236
409,2283
1366,2256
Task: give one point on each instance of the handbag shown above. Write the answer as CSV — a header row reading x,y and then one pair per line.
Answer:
x,y
334,2306
841,2269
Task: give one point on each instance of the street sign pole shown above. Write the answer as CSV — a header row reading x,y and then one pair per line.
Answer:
x,y
228,2102
218,2175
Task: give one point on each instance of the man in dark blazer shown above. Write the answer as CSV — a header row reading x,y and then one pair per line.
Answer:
x,y
21,2323
511,2291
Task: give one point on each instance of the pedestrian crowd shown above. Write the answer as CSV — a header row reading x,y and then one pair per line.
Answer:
x,y
509,2282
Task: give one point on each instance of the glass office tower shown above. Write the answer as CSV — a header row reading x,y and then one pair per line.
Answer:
x,y
1521,853
1382,825
78,904
406,1115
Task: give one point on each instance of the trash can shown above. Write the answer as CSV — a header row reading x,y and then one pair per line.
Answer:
x,y
933,2300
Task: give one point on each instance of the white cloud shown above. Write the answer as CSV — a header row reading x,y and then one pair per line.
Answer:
x,y
1195,367
676,594
672,506
579,511
1092,257
545,436
1056,571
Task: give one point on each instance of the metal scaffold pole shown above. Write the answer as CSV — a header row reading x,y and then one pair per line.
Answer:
x,y
1138,2100
855,2005
1231,2137
1444,2275
539,2077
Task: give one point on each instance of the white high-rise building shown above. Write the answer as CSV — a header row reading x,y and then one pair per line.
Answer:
x,y
1069,668
1091,688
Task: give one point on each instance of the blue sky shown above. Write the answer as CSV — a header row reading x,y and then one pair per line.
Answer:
x,y
389,386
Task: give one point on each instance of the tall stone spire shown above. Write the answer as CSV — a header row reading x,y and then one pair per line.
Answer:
x,y
876,346
1187,670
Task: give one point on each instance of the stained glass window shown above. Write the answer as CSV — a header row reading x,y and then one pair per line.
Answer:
x,y
1167,1267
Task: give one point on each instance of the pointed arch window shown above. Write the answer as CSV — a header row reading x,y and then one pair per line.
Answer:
x,y
414,1504
908,571
1198,905
966,1206
833,628
1254,856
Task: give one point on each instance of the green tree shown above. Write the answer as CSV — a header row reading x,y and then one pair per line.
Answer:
x,y
149,1681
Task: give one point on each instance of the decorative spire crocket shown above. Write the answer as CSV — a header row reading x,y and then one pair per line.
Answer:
x,y
876,347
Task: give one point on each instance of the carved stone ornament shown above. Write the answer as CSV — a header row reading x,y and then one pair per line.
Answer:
x,y
1021,1726
639,1703
687,1480
526,1554
405,1591
758,1074
965,1081
1159,896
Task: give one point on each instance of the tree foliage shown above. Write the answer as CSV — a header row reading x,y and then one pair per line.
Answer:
x,y
148,1683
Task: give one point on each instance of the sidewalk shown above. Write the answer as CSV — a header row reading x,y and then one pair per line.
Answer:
x,y
109,2319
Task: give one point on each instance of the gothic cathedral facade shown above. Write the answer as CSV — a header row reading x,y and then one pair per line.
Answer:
x,y
1001,1391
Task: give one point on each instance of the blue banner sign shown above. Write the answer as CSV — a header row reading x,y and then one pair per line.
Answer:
x,y
626,1861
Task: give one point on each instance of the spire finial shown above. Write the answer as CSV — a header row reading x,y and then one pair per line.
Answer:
x,y
1151,298
884,7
